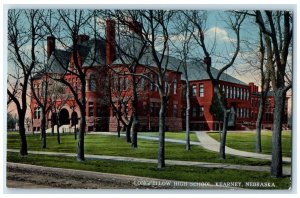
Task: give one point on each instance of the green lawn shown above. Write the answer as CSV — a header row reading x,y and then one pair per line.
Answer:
x,y
181,173
246,141
172,135
114,146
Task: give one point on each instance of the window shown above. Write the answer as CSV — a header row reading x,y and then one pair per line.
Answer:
x,y
151,84
174,110
237,112
91,109
126,109
230,92
115,81
223,89
194,111
98,110
121,84
37,113
201,90
201,112
142,83
175,87
241,112
151,109
241,94
92,83
145,108
193,90
237,92
234,92
227,92
126,83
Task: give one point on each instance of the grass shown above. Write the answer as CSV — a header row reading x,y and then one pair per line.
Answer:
x,y
181,173
114,146
172,135
245,141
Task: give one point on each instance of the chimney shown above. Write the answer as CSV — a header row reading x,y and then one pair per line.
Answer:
x,y
50,46
81,38
110,45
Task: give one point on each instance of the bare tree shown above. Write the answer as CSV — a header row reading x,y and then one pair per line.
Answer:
x,y
277,30
235,21
156,24
24,33
182,43
72,24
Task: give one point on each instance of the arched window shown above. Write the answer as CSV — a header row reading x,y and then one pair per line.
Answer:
x,y
92,83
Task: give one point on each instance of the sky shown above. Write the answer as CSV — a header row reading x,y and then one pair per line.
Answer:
x,y
217,31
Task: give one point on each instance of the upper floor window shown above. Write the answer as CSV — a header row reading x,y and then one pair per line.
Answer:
x,y
201,90
37,113
193,90
234,92
115,79
227,92
126,83
92,83
230,92
175,87
237,92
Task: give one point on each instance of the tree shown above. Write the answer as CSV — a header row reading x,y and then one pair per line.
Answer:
x,y
71,24
277,30
156,24
24,33
183,43
216,110
235,21
41,96
11,122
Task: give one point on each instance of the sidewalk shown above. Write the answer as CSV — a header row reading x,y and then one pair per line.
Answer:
x,y
208,143
211,144
286,170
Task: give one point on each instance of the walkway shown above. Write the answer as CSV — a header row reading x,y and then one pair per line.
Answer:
x,y
211,144
286,170
208,143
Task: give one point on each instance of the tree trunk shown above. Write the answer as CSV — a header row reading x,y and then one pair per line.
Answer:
x,y
52,129
128,128
276,164
135,122
119,128
187,118
161,145
258,124
43,130
223,135
80,142
22,130
58,134
75,132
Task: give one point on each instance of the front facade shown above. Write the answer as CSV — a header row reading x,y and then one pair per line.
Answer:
x,y
108,86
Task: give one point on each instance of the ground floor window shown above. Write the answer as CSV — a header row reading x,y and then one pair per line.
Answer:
x,y
91,109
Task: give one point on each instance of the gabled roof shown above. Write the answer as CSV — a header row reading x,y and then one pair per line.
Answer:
x,y
57,61
92,53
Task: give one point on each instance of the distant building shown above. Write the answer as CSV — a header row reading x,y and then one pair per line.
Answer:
x,y
102,85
